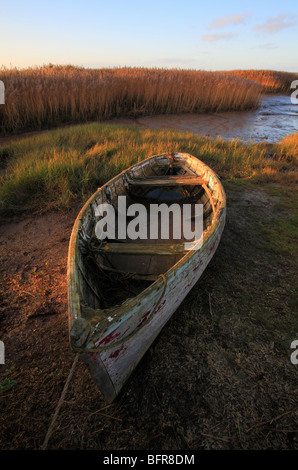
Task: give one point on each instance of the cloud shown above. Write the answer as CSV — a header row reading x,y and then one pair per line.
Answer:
x,y
218,37
268,46
227,20
273,25
174,61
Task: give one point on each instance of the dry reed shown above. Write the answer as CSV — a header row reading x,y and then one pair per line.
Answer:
x,y
48,96
272,81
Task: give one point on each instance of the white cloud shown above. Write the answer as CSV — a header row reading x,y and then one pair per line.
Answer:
x,y
228,20
273,25
268,46
218,37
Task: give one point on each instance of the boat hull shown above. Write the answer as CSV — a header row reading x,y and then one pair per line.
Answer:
x,y
114,346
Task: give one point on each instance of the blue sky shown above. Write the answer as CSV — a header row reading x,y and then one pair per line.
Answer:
x,y
208,35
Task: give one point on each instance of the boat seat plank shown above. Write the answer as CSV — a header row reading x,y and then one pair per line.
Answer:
x,y
144,248
177,180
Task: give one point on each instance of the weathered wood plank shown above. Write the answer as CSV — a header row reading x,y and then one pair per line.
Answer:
x,y
145,248
180,180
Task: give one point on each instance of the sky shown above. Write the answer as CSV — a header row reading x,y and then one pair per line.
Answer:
x,y
185,34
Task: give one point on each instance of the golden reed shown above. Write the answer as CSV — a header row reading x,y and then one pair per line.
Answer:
x,y
272,81
48,96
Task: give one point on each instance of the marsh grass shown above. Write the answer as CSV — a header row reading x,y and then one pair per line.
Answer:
x,y
281,232
56,168
271,81
7,383
288,148
48,96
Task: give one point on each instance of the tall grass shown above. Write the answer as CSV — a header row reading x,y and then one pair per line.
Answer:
x,y
46,97
288,148
55,169
271,81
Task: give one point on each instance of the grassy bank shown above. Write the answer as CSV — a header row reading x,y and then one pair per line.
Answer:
x,y
46,97
56,168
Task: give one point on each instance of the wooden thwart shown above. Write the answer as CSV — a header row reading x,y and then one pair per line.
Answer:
x,y
144,248
179,180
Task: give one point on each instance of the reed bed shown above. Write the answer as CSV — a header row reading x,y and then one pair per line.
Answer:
x,y
49,96
271,81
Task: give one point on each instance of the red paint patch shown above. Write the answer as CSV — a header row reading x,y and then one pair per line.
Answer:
x,y
160,306
144,318
116,353
110,337
198,265
188,285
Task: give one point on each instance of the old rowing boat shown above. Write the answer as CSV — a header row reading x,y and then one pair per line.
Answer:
x,y
122,291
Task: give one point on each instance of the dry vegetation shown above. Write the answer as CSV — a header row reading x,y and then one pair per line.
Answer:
x,y
272,81
49,96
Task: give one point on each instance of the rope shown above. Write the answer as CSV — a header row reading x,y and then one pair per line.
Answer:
x,y
60,403
64,391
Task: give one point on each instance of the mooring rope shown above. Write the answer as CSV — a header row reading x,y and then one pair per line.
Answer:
x,y
71,372
60,403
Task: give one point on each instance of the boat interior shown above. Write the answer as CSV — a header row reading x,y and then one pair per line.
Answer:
x,y
115,269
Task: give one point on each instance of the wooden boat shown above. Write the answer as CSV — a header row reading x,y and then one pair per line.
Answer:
x,y
122,293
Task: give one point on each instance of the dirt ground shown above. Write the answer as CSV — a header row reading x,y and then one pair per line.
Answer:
x,y
219,375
